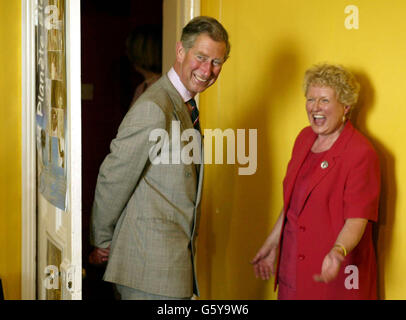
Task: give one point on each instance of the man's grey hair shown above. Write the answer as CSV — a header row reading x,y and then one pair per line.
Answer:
x,y
204,25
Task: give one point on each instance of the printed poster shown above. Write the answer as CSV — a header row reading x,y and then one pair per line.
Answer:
x,y
51,112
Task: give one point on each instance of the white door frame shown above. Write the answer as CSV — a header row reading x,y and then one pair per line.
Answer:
x,y
176,14
74,159
28,170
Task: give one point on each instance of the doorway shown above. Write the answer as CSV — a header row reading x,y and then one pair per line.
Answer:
x,y
108,85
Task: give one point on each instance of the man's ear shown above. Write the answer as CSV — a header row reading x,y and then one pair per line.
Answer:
x,y
180,52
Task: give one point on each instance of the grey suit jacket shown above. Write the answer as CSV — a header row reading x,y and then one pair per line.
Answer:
x,y
149,214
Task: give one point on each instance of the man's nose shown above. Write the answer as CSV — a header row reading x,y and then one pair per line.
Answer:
x,y
206,67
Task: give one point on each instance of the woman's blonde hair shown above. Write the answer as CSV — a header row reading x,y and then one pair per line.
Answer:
x,y
336,77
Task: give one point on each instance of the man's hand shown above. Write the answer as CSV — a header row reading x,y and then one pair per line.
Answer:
x,y
99,255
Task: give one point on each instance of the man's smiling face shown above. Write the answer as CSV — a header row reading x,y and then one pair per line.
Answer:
x,y
200,66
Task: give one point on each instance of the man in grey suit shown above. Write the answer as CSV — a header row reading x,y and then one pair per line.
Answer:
x,y
145,216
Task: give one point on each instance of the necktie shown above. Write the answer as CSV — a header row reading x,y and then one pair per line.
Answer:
x,y
194,114
195,120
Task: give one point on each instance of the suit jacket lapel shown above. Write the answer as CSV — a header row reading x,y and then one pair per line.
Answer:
x,y
295,165
181,113
321,171
200,178
328,162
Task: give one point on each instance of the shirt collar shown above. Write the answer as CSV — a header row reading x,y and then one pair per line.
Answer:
x,y
179,86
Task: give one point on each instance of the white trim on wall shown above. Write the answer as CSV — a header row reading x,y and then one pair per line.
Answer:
x,y
176,14
28,152
190,9
74,105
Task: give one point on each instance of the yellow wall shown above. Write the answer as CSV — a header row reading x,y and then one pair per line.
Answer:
x,y
10,147
273,43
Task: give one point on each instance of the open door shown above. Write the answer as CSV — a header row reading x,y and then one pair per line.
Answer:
x,y
52,123
51,139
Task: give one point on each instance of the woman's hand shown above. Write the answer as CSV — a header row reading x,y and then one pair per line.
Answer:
x,y
331,266
349,237
264,261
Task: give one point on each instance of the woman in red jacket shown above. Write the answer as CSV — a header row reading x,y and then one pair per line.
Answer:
x,y
323,237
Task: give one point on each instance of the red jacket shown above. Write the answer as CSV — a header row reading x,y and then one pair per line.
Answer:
x,y
347,187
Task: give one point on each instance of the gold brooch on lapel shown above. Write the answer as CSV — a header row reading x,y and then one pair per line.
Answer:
x,y
324,165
